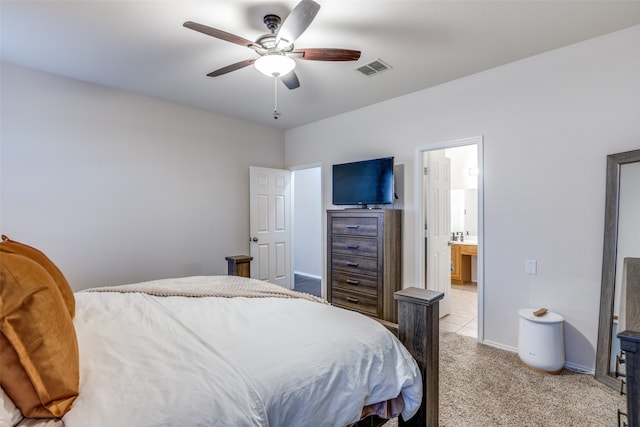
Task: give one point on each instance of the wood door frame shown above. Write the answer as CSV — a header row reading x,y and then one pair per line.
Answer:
x,y
478,141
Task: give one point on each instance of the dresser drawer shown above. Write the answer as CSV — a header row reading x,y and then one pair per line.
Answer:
x,y
362,246
355,226
355,282
362,303
355,264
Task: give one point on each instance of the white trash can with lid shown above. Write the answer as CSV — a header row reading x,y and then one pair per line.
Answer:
x,y
541,340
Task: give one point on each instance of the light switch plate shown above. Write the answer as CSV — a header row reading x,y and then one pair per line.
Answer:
x,y
531,266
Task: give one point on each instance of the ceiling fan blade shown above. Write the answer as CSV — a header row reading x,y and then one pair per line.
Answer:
x,y
324,54
219,34
290,80
298,20
232,67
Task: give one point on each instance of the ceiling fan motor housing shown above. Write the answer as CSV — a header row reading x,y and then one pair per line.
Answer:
x,y
267,41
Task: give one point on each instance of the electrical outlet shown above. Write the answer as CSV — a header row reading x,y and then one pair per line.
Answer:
x,y
531,266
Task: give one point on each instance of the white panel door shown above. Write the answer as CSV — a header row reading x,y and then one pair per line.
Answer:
x,y
270,225
439,226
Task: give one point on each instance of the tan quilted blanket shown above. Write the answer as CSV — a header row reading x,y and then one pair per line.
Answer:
x,y
209,286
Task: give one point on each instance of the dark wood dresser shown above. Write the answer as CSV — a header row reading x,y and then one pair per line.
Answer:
x,y
630,337
364,260
630,344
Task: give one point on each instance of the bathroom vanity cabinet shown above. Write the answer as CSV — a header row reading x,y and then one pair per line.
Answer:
x,y
461,254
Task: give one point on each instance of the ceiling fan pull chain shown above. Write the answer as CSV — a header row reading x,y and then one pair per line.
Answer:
x,y
275,98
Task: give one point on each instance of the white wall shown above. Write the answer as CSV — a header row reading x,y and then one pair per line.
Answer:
x,y
307,222
118,188
548,123
462,159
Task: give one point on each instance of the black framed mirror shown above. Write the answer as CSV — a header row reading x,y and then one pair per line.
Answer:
x,y
622,182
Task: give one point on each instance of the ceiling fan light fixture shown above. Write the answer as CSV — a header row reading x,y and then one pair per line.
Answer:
x,y
274,64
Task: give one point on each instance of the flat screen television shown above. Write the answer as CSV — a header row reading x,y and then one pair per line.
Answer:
x,y
367,182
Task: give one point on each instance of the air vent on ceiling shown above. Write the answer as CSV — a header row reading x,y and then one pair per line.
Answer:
x,y
374,67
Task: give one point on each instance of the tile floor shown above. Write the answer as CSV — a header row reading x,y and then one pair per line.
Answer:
x,y
463,319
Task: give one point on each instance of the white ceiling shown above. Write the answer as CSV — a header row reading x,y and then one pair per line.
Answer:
x,y
141,46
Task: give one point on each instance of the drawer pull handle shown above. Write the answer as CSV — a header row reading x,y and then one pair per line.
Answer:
x,y
353,227
353,300
353,282
352,264
353,247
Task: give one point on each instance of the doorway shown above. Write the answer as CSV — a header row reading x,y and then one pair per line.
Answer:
x,y
306,184
460,201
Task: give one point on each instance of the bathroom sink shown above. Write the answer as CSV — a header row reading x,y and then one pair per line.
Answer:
x,y
465,242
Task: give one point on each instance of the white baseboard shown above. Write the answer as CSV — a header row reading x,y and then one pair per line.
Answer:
x,y
568,365
313,276
579,369
500,346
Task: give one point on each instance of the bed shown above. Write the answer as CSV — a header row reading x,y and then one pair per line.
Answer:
x,y
195,351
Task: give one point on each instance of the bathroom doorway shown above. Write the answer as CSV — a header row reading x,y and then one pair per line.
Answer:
x,y
461,309
463,317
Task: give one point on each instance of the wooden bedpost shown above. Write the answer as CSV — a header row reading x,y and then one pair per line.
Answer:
x,y
238,265
418,330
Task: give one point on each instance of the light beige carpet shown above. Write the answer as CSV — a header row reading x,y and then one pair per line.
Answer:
x,y
481,386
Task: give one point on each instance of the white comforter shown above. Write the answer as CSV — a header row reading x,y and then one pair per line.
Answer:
x,y
179,361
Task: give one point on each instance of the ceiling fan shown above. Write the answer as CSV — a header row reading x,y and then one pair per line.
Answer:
x,y
275,50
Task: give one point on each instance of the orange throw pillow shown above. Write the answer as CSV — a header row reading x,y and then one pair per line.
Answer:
x,y
13,247
39,364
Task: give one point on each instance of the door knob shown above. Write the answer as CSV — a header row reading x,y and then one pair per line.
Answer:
x,y
254,239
